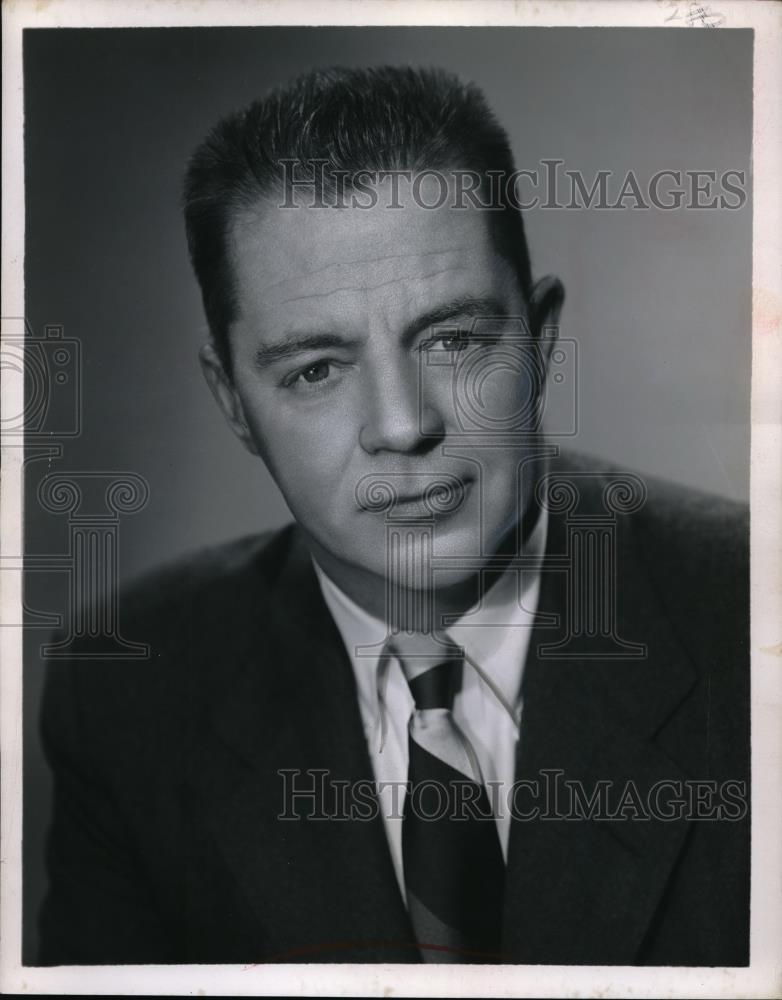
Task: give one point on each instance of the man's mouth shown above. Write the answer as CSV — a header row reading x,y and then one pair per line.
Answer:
x,y
441,496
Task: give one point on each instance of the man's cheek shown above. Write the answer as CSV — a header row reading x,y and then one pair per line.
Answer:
x,y
309,476
492,393
281,439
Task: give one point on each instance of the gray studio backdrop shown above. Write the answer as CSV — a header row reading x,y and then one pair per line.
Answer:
x,y
659,302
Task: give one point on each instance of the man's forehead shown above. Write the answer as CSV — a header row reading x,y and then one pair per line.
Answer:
x,y
307,259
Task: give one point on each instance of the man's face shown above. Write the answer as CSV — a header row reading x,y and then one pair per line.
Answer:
x,y
341,378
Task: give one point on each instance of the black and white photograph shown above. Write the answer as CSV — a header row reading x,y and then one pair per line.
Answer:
x,y
391,544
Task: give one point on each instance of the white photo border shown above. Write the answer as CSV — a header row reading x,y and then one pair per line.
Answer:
x,y
763,977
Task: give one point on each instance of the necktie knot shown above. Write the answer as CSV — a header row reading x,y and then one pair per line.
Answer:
x,y
432,668
436,687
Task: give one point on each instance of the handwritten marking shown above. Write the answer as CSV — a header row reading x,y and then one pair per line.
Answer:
x,y
694,14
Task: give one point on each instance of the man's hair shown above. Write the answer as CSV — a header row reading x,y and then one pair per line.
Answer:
x,y
377,119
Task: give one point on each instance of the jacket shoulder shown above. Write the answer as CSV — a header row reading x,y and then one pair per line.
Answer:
x,y
685,521
213,573
695,539
192,615
693,547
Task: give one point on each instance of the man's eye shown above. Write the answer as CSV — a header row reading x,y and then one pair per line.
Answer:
x,y
316,372
451,342
318,375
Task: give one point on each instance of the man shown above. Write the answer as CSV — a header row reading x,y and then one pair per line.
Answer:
x,y
483,702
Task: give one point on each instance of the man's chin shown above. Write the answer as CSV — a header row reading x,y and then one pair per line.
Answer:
x,y
415,568
406,559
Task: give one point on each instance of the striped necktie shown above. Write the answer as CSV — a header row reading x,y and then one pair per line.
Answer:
x,y
453,865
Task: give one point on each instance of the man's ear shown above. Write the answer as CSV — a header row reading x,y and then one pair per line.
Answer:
x,y
545,304
226,395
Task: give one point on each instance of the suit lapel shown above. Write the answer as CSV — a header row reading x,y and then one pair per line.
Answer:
x,y
582,888
322,889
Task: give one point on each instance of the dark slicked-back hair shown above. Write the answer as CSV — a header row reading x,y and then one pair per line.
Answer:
x,y
378,119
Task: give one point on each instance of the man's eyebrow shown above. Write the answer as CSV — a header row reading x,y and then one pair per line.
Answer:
x,y
479,307
476,306
268,354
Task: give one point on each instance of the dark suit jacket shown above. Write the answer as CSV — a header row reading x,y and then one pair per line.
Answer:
x,y
166,846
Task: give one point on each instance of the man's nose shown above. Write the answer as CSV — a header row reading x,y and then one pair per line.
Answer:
x,y
397,418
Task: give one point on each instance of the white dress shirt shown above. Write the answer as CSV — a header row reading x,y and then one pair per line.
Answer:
x,y
495,637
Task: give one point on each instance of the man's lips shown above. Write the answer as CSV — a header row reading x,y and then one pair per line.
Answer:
x,y
433,494
438,495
